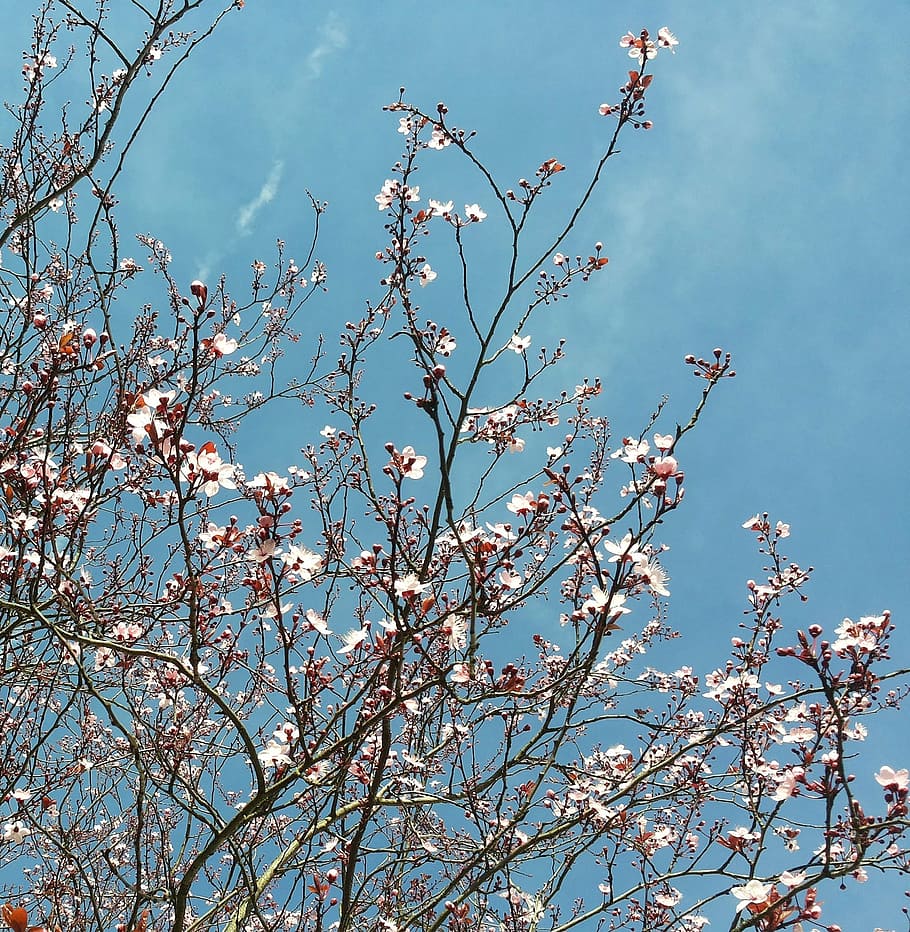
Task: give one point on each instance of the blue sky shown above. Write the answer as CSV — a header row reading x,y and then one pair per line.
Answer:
x,y
766,212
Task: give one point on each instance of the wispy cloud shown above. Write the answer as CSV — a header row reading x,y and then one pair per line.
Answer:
x,y
247,213
333,36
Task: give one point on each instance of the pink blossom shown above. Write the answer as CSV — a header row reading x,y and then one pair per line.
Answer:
x,y
317,622
353,639
303,562
666,39
600,601
408,462
640,47
474,213
271,483
893,779
222,345
754,892
788,783
440,208
523,504
519,344
264,552
664,466
409,586
633,451
439,139
426,275
275,754
208,471
792,878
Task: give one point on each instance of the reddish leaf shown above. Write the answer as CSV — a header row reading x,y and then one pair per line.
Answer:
x,y
67,342
15,917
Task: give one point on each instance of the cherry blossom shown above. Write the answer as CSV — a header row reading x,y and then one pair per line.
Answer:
x,y
207,471
640,47
409,586
893,779
666,39
426,275
275,754
407,462
441,208
474,213
518,344
353,639
752,893
15,831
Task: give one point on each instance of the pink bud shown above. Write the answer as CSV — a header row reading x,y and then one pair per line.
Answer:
x,y
39,321
199,291
89,337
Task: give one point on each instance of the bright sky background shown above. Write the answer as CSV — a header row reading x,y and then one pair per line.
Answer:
x,y
766,213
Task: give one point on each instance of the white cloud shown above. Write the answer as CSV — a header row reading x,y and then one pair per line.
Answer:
x,y
332,37
267,192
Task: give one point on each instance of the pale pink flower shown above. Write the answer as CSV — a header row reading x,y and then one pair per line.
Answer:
x,y
426,275
287,733
640,47
393,190
523,504
446,344
754,892
600,601
387,194
408,463
461,673
666,39
222,345
663,442
788,783
792,878
440,208
15,832
208,470
409,586
664,466
510,579
668,898
264,552
888,777
352,639
519,344
654,575
273,484
275,754
303,562
317,622
623,550
474,213
633,451
456,632
439,139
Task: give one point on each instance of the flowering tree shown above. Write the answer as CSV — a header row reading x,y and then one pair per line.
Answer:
x,y
385,688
